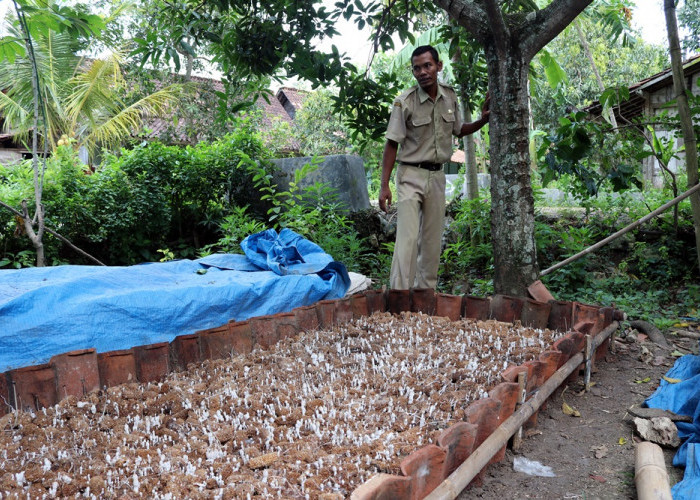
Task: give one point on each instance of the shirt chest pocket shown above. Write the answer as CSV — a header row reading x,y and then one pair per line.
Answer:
x,y
420,121
448,117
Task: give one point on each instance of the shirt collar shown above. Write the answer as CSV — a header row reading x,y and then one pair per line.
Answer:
x,y
423,95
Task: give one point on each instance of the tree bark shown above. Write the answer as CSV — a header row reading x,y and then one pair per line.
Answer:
x,y
512,202
471,179
679,89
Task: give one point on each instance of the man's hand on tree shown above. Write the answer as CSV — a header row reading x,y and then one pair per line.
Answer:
x,y
486,107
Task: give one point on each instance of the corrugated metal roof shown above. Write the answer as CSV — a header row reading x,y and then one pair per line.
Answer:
x,y
634,106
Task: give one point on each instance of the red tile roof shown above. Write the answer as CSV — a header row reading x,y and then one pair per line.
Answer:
x,y
272,111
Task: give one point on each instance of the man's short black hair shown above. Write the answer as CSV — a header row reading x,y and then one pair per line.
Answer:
x,y
426,48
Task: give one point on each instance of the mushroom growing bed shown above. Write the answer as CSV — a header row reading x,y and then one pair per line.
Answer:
x,y
313,416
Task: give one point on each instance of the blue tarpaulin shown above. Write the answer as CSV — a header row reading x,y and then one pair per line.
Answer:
x,y
683,398
52,310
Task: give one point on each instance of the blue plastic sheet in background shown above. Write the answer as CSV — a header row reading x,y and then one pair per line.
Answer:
x,y
683,398
52,310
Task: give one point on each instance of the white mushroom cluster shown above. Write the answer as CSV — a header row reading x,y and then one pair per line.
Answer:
x,y
315,416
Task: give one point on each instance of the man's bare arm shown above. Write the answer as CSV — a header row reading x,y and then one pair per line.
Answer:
x,y
470,128
388,160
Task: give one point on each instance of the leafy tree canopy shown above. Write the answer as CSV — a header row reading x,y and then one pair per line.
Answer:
x,y
619,64
689,19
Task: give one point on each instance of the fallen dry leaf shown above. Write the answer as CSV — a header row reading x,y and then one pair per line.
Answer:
x,y
658,360
568,410
599,451
671,380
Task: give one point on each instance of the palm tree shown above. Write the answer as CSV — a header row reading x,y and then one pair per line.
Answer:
x,y
47,90
79,98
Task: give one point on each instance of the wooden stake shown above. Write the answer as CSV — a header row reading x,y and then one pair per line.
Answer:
x,y
522,383
588,356
650,474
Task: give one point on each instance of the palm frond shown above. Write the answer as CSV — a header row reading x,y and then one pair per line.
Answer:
x,y
14,114
94,90
114,129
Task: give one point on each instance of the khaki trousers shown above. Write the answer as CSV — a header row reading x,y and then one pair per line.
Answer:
x,y
421,218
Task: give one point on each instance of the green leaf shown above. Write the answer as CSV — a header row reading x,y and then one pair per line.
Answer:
x,y
553,71
188,48
11,48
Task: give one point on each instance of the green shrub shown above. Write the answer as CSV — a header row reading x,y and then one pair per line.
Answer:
x,y
314,213
466,263
233,229
153,197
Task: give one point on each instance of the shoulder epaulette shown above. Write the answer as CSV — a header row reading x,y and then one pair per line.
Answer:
x,y
407,93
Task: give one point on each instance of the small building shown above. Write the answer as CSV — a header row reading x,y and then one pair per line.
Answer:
x,y
651,97
11,150
280,107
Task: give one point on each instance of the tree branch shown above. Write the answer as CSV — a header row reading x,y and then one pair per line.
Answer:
x,y
499,30
540,27
54,233
469,15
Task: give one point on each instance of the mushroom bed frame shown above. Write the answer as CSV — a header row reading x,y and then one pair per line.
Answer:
x,y
76,373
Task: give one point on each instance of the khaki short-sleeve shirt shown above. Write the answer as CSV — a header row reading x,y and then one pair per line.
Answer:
x,y
423,127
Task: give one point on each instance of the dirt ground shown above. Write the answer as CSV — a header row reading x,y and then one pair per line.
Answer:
x,y
569,444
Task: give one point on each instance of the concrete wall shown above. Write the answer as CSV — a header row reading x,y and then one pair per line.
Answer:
x,y
344,174
656,104
452,188
10,156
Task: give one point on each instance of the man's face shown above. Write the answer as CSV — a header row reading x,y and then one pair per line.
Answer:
x,y
425,70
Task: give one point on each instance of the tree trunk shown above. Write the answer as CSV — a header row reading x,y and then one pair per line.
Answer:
x,y
512,202
471,182
471,179
589,56
679,89
37,236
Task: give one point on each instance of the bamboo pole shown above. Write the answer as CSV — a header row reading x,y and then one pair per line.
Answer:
x,y
588,358
650,475
622,231
451,487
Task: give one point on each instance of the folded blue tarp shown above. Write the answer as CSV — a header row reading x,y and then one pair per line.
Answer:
x,y
51,310
683,398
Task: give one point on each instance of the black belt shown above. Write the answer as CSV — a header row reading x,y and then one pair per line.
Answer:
x,y
433,167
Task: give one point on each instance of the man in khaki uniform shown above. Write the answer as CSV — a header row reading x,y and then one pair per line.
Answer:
x,y
423,120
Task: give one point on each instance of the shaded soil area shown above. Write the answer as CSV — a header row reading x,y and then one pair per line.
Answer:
x,y
592,455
